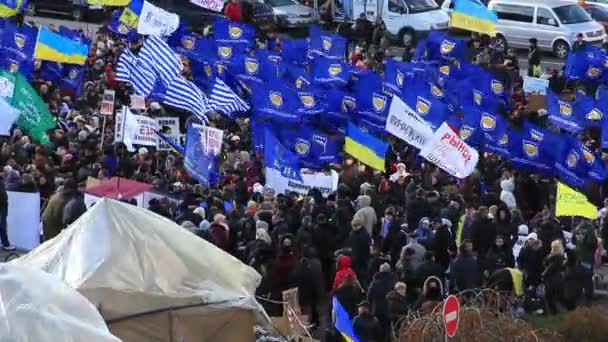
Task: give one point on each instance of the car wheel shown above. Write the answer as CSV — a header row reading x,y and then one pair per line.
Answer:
x,y
407,37
30,9
561,49
78,13
501,43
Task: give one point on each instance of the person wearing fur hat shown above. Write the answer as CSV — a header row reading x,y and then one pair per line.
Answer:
x,y
366,213
360,242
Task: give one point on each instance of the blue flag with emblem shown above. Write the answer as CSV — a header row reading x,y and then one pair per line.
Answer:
x,y
426,99
199,164
502,146
566,115
17,47
341,107
312,146
299,77
494,127
374,107
190,44
275,101
535,150
72,77
295,51
586,64
396,75
120,28
442,46
469,128
573,162
226,31
330,72
278,157
326,44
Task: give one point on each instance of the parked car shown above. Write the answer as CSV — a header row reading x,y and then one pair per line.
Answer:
x,y
554,23
598,13
600,3
292,14
78,10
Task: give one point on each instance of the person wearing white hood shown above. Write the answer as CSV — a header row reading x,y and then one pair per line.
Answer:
x,y
506,195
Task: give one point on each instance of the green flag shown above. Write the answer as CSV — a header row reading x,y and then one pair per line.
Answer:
x,y
35,117
7,85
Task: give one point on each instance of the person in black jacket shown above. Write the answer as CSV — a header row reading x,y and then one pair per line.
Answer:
x,y
349,294
366,326
360,243
533,57
382,283
499,256
441,241
429,268
464,271
530,261
505,227
552,276
6,245
484,232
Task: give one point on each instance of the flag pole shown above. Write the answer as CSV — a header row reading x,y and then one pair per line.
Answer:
x,y
103,130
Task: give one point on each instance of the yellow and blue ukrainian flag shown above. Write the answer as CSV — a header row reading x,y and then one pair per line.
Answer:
x,y
10,8
365,147
130,14
343,323
473,15
54,47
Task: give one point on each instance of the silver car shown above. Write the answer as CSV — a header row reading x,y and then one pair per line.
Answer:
x,y
292,14
554,23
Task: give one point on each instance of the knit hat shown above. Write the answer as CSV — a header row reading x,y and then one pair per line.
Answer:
x,y
385,267
200,212
522,230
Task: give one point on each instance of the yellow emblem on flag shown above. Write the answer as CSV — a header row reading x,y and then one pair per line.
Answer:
x,y
595,114
307,100
497,87
251,65
488,122
422,106
19,41
530,149
235,32
225,52
571,160
188,43
276,98
504,140
399,78
477,97
565,109
326,43
334,69
379,103
446,46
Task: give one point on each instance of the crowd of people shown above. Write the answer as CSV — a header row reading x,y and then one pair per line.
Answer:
x,y
384,244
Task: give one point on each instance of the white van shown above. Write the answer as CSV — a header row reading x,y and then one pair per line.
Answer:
x,y
554,23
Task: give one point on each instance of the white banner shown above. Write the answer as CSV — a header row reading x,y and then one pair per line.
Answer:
x,y
536,85
450,153
107,102
8,117
212,140
404,123
214,5
134,129
173,133
23,220
318,180
156,21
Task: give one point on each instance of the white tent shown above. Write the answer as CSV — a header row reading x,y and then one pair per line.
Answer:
x,y
132,263
36,307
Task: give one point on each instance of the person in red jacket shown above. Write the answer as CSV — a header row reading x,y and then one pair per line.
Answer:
x,y
233,10
343,270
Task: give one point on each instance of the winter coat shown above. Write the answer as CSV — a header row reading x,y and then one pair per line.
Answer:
x,y
366,214
506,228
360,241
552,274
73,209
484,235
344,269
530,261
424,235
233,11
52,217
428,269
367,328
498,258
586,246
3,198
382,284
310,280
507,193
394,242
416,210
282,272
219,236
439,245
465,273
397,304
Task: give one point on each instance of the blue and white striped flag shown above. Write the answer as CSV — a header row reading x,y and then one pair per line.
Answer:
x,y
158,56
132,70
183,94
224,100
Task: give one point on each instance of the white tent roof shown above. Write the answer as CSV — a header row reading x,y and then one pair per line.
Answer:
x,y
35,307
127,260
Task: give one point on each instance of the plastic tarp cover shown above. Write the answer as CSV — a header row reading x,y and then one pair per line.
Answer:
x,y
36,307
128,260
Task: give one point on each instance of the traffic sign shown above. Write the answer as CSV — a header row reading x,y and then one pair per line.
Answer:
x,y
451,315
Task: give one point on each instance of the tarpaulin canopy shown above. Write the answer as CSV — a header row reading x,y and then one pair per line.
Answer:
x,y
37,307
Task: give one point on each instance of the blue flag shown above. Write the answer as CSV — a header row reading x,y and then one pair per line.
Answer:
x,y
494,126
502,146
276,101
573,163
231,32
295,51
312,146
469,128
586,64
441,46
535,149
191,45
396,75
118,27
298,77
72,77
374,106
426,99
330,72
327,44
277,157
19,41
566,115
197,162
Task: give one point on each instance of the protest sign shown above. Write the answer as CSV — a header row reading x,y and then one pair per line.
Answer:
x,y
146,131
535,85
325,183
107,102
169,126
570,202
7,85
214,5
131,129
404,123
449,152
212,140
156,21
138,102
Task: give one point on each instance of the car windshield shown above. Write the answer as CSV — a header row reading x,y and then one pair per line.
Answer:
x,y
277,3
417,6
598,13
571,14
